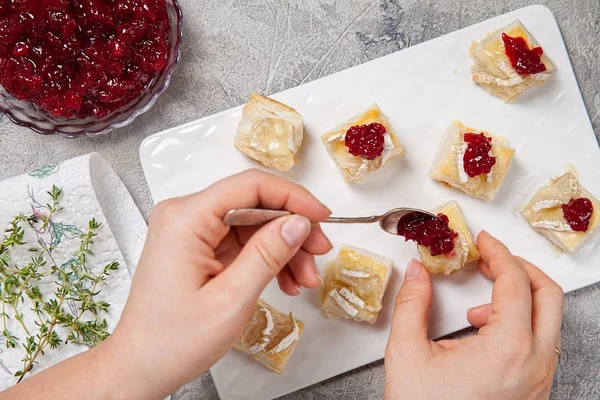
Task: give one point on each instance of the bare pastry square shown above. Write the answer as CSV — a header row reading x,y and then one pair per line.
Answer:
x,y
270,336
357,168
354,284
270,132
465,249
493,70
449,167
545,213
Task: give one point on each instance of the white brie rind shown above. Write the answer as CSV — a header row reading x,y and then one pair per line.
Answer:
x,y
552,225
287,341
338,305
355,274
270,132
384,261
270,336
544,213
266,339
354,168
354,284
448,164
493,70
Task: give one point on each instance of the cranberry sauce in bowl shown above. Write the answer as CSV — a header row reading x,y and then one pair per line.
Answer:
x,y
85,66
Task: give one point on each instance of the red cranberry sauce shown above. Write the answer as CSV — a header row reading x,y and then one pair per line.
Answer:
x,y
366,140
477,159
578,213
525,60
432,232
81,57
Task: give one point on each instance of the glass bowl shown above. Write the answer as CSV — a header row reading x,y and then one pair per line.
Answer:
x,y
26,114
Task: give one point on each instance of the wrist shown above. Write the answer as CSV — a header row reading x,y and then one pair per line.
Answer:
x,y
127,370
114,375
92,375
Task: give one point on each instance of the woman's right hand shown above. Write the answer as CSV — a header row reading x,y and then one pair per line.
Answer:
x,y
513,355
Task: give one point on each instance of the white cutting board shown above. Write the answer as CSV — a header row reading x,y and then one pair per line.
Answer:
x,y
421,89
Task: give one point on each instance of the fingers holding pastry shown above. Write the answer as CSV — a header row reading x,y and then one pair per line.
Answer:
x,y
548,302
478,316
408,336
511,295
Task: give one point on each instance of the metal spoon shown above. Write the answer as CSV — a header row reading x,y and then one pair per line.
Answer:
x,y
388,221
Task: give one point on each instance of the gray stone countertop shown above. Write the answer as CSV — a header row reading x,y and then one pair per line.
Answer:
x,y
234,47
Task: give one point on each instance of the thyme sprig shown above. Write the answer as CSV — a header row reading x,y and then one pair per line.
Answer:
x,y
74,284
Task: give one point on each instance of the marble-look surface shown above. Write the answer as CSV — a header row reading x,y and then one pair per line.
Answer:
x,y
234,47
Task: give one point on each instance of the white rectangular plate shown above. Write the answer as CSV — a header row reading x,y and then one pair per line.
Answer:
x,y
421,89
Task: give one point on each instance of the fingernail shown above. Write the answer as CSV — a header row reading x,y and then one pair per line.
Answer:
x,y
328,241
412,271
318,274
298,288
295,230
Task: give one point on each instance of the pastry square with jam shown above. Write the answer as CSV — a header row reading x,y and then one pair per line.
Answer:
x,y
270,336
354,284
564,213
508,61
270,132
444,242
472,161
363,144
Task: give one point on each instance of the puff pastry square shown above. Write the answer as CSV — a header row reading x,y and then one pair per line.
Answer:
x,y
448,165
356,168
270,336
270,132
465,249
354,284
545,214
493,70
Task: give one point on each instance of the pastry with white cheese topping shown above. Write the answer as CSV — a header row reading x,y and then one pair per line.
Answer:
x,y
363,144
508,61
270,132
564,213
464,251
354,284
460,163
270,336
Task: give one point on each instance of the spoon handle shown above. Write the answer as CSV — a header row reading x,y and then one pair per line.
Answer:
x,y
357,220
256,216
252,216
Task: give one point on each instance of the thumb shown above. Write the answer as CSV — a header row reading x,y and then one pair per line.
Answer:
x,y
265,255
411,313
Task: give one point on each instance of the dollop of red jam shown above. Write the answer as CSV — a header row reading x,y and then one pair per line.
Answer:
x,y
477,159
432,232
366,141
525,60
81,57
578,213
